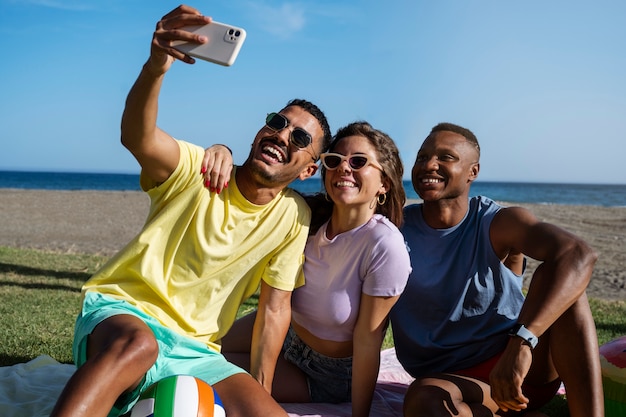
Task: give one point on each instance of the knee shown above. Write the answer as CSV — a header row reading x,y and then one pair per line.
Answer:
x,y
427,401
138,347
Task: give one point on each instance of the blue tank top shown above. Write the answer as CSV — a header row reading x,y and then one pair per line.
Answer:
x,y
460,300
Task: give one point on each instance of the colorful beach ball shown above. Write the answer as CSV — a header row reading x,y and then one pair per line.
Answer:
x,y
179,396
613,363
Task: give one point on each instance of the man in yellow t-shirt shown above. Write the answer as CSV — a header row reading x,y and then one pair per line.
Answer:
x,y
161,305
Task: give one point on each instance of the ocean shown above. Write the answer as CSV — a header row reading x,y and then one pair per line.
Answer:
x,y
607,195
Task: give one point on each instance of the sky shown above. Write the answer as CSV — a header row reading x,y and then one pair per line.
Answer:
x,y
542,84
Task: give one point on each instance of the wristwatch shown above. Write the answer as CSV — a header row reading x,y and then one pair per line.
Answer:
x,y
529,338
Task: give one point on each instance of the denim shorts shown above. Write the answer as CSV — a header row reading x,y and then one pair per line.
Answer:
x,y
178,354
329,379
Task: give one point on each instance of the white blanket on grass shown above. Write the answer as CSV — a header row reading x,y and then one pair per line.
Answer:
x,y
31,389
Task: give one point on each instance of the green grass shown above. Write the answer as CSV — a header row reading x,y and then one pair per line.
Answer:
x,y
40,297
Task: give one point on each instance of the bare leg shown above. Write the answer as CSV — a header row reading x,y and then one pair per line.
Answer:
x,y
574,348
242,396
448,395
121,349
290,384
239,337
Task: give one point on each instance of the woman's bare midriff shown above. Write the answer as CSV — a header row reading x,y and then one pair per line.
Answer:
x,y
328,348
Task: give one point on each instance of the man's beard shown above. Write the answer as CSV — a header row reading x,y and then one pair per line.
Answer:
x,y
264,177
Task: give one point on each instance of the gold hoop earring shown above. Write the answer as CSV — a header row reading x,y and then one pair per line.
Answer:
x,y
384,199
327,198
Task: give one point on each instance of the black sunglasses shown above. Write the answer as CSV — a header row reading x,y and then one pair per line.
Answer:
x,y
299,137
332,161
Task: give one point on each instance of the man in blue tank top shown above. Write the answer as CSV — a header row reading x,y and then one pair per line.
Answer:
x,y
463,327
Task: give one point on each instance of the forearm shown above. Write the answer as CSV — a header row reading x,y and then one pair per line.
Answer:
x,y
365,366
556,285
268,335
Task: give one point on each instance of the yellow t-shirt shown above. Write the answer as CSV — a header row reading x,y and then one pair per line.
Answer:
x,y
200,255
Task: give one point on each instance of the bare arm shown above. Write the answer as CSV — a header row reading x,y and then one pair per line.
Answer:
x,y
515,262
560,280
155,150
565,272
270,329
368,338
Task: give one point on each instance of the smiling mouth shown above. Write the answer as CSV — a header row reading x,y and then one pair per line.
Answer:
x,y
348,184
430,180
274,152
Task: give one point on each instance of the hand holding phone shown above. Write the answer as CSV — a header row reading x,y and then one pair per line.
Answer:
x,y
224,43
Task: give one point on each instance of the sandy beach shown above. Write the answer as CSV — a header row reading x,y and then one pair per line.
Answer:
x,y
102,222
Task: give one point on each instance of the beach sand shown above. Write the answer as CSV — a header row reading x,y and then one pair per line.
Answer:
x,y
102,222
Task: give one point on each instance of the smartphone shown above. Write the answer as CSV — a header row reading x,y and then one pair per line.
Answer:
x,y
223,46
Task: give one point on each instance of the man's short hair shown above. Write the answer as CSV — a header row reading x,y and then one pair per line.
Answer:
x,y
466,133
319,115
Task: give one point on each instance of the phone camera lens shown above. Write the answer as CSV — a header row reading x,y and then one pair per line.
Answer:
x,y
231,31
237,33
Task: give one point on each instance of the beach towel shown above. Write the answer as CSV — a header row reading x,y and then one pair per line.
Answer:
x,y
31,389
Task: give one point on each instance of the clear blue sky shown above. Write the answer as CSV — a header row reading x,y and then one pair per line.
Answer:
x,y
541,83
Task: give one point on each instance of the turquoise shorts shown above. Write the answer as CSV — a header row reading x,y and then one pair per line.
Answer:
x,y
178,354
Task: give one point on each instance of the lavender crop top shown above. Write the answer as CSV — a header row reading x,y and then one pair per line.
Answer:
x,y
370,259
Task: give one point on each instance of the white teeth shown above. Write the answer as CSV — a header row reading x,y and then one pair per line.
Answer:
x,y
345,184
275,152
430,180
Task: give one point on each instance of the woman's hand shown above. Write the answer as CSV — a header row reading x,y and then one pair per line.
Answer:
x,y
217,165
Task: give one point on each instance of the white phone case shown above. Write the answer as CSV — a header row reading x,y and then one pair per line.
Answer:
x,y
223,46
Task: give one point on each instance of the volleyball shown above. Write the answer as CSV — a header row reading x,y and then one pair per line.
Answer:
x,y
179,396
613,363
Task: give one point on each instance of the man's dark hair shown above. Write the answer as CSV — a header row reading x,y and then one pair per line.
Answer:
x,y
466,133
319,115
